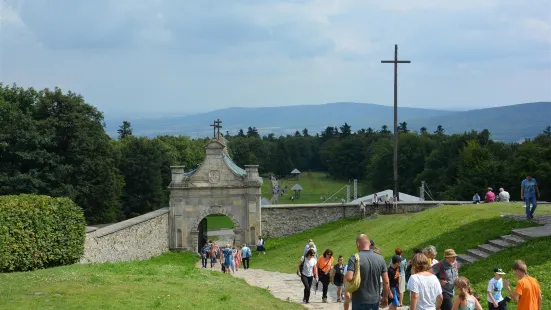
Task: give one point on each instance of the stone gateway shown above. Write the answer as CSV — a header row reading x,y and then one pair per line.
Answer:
x,y
217,186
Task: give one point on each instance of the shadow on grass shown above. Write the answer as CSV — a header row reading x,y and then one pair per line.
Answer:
x,y
470,235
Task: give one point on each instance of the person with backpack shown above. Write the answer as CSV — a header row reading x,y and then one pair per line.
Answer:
x,y
214,250
446,272
372,268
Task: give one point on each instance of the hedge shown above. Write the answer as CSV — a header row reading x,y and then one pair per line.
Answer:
x,y
39,231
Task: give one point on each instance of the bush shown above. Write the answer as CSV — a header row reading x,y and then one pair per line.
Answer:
x,y
39,232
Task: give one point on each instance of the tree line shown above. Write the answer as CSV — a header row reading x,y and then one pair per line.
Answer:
x,y
54,143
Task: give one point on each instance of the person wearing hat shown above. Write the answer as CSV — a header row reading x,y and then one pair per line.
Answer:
x,y
495,286
446,272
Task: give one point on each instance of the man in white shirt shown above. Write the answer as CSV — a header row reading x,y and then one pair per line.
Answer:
x,y
503,195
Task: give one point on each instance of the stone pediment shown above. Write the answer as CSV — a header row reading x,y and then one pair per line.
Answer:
x,y
217,170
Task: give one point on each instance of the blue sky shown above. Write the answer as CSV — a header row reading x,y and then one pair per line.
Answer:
x,y
173,57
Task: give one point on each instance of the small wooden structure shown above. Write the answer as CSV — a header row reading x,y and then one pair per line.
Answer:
x,y
295,173
296,188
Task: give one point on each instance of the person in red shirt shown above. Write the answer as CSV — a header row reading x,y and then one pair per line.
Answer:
x,y
527,292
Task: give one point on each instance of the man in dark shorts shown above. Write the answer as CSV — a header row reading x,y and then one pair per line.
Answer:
x,y
394,279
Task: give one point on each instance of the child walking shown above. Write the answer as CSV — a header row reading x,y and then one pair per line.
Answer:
x,y
465,300
337,277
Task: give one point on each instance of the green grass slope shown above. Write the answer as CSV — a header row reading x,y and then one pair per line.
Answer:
x,y
458,227
170,281
536,254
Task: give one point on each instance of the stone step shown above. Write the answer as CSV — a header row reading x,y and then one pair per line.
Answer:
x,y
499,243
466,259
490,249
513,240
478,254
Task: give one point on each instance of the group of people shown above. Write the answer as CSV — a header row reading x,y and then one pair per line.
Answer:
x,y
432,284
529,193
490,196
231,257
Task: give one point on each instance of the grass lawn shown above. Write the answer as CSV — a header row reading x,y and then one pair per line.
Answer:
x,y
218,221
458,227
170,281
315,185
536,255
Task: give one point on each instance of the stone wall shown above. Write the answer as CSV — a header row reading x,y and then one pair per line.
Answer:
x,y
285,220
138,238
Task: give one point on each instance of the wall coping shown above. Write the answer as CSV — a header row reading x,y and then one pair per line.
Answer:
x,y
125,224
328,205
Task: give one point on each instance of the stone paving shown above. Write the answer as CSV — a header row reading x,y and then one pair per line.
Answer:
x,y
288,287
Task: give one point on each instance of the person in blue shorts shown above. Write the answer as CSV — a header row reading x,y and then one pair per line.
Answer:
x,y
394,277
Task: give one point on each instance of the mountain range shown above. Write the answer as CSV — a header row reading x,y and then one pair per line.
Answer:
x,y
506,123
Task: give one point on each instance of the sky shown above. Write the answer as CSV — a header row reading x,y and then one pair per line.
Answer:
x,y
175,57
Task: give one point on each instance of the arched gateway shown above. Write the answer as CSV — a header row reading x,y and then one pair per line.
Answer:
x,y
218,186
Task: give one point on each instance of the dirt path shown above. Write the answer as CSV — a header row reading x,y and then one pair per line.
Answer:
x,y
288,287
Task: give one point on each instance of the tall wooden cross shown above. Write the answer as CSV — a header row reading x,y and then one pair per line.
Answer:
x,y
396,62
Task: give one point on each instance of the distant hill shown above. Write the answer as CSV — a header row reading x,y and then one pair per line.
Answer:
x,y
509,123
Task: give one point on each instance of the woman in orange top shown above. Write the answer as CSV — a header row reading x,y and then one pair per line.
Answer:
x,y
325,263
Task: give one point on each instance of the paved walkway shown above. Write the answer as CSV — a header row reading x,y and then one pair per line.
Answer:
x,y
288,287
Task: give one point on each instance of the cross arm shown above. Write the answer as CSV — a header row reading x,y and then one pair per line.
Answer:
x,y
396,61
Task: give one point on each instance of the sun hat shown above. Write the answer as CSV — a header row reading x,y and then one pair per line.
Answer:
x,y
449,253
499,271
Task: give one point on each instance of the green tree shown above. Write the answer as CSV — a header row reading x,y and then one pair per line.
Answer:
x,y
125,130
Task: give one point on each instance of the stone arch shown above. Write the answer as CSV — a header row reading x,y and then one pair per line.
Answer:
x,y
215,210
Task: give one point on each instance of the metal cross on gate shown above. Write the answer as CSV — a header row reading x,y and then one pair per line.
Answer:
x,y
396,62
216,128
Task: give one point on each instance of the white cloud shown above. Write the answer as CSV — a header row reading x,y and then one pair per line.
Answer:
x,y
157,56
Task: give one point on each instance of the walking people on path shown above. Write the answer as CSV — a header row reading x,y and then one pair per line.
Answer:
x,y
228,258
236,258
214,252
260,245
402,278
425,289
204,255
337,277
372,268
527,293
528,190
465,299
410,266
245,256
495,286
430,253
446,271
325,263
394,282
308,246
307,271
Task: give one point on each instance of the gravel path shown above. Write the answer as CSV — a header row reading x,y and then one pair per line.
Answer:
x,y
288,287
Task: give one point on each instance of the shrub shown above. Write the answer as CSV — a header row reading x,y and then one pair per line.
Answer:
x,y
39,232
